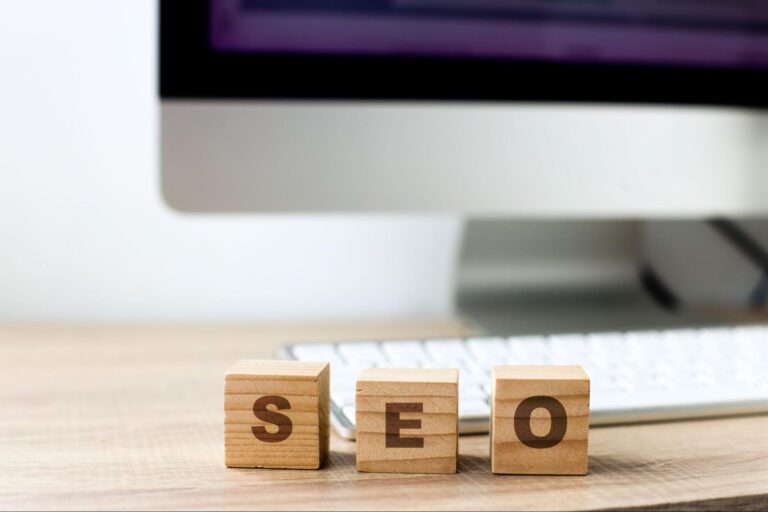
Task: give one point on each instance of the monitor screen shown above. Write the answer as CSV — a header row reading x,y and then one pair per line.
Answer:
x,y
691,33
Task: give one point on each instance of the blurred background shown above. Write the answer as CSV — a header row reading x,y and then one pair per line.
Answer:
x,y
86,236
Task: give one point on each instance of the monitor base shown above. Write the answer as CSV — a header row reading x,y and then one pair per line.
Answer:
x,y
546,277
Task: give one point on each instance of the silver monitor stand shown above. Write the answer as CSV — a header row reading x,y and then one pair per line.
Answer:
x,y
559,276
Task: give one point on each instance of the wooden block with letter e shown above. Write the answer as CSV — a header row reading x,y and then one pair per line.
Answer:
x,y
407,420
276,414
540,420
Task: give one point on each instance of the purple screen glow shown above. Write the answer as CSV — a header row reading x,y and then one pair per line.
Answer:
x,y
712,33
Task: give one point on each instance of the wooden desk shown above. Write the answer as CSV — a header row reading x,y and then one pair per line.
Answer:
x,y
131,418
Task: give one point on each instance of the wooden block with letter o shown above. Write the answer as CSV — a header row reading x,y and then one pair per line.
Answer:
x,y
407,420
276,414
540,420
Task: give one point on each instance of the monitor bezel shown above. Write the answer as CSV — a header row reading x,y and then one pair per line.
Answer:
x,y
191,69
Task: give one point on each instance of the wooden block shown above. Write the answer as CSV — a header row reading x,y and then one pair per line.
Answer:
x,y
540,420
276,414
407,420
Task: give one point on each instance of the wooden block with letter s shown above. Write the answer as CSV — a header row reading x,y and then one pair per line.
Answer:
x,y
276,414
407,421
540,420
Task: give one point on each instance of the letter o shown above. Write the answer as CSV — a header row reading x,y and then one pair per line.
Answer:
x,y
558,425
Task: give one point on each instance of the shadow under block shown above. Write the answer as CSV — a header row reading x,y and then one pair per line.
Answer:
x,y
407,421
276,414
540,420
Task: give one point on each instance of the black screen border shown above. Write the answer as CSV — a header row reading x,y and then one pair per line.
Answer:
x,y
191,69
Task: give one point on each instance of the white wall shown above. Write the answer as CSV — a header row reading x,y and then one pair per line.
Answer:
x,y
84,234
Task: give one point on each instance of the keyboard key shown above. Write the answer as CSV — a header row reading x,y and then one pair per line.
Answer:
x,y
446,350
604,348
602,382
597,376
473,376
474,408
574,346
361,354
317,352
471,391
408,354
680,345
399,364
566,359
531,350
343,394
641,346
713,341
489,351
344,375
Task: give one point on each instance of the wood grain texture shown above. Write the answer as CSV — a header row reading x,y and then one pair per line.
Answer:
x,y
289,401
407,420
540,420
130,418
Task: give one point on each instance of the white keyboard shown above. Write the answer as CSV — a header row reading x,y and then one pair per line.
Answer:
x,y
635,376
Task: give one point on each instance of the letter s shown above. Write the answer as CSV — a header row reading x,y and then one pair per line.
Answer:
x,y
283,422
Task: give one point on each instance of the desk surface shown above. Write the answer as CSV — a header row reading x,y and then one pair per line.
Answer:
x,y
131,418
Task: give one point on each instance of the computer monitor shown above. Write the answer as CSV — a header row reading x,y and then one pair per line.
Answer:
x,y
515,108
